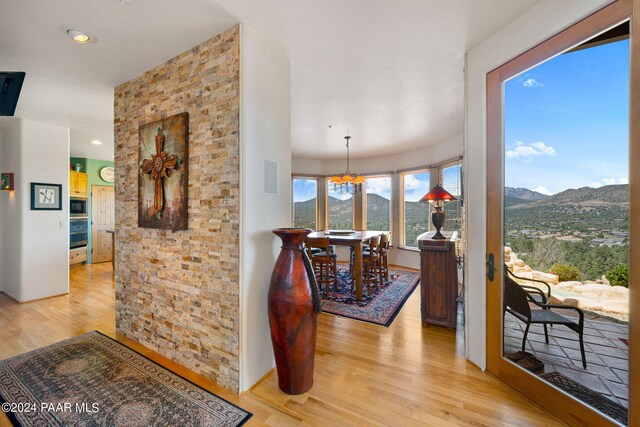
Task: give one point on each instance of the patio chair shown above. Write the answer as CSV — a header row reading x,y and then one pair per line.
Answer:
x,y
537,294
517,301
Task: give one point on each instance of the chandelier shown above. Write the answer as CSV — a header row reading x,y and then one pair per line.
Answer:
x,y
347,183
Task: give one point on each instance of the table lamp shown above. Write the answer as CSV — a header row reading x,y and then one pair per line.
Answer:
x,y
437,197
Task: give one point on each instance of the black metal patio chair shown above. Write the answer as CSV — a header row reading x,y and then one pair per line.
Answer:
x,y
517,301
537,294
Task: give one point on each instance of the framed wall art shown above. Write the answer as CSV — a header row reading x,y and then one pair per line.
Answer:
x,y
46,197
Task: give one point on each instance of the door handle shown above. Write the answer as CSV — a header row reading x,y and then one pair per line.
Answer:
x,y
491,268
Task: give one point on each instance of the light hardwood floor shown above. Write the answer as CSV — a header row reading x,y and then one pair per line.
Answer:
x,y
365,374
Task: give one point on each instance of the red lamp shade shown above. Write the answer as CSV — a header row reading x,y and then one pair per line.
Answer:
x,y
436,194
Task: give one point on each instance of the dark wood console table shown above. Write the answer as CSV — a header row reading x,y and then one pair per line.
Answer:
x,y
438,279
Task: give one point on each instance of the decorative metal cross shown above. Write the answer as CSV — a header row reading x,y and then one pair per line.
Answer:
x,y
159,166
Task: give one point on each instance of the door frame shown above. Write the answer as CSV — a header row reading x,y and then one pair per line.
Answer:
x,y
561,404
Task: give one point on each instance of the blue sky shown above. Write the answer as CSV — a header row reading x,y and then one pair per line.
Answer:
x,y
380,186
304,189
566,121
416,185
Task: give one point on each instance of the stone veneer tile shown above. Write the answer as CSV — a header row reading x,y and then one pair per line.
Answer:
x,y
178,292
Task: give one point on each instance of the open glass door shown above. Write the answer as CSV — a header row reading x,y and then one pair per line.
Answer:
x,y
558,221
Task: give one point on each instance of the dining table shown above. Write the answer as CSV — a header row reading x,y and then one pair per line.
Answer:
x,y
354,239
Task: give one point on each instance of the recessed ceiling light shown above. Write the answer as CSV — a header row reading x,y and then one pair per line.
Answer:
x,y
96,142
78,36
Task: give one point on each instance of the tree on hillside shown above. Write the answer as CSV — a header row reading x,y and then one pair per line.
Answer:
x,y
545,253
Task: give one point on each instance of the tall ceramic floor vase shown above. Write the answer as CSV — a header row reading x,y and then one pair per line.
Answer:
x,y
294,304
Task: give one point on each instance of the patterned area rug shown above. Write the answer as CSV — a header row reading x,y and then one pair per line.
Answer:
x,y
93,380
593,398
381,307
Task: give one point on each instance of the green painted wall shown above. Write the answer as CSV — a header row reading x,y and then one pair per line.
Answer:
x,y
83,162
92,168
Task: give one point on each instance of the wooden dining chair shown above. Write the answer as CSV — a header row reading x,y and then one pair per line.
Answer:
x,y
384,257
370,264
324,262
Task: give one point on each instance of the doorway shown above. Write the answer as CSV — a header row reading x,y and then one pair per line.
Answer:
x,y
551,230
102,221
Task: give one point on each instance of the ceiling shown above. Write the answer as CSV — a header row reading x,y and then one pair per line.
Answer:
x,y
72,84
390,73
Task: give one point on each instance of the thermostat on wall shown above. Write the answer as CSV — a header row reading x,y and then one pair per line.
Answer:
x,y
107,174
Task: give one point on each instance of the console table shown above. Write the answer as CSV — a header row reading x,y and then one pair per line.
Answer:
x,y
438,279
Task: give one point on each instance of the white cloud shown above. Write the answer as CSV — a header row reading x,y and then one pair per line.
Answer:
x,y
544,190
609,181
528,151
380,186
544,149
411,182
414,195
532,83
612,180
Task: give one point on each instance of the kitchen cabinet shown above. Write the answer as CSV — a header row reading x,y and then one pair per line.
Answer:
x,y
78,255
78,184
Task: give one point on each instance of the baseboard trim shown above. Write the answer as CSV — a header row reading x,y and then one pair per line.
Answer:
x,y
33,300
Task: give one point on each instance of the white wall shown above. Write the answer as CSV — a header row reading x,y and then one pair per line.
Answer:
x,y
265,134
45,234
35,243
533,27
446,150
432,154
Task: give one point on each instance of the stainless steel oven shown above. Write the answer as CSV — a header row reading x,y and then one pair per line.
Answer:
x,y
78,207
78,232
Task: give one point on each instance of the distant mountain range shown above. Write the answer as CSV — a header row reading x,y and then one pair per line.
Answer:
x,y
587,196
515,196
608,194
604,207
378,215
523,193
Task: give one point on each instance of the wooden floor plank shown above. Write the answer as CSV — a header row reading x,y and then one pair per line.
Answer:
x,y
365,374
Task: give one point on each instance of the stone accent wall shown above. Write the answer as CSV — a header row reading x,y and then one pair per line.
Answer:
x,y
178,292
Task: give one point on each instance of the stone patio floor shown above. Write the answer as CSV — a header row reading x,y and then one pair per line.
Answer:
x,y
607,356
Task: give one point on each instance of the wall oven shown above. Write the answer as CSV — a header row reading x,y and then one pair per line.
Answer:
x,y
78,207
78,232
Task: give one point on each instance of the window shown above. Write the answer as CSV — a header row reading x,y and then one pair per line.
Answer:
x,y
339,209
416,220
452,182
379,203
305,198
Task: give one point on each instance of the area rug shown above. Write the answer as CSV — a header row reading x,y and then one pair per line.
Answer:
x,y
381,308
591,397
93,380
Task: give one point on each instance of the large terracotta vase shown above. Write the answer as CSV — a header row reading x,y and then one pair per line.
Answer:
x,y
294,304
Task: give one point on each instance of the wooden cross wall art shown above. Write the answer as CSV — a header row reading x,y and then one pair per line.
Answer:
x,y
163,173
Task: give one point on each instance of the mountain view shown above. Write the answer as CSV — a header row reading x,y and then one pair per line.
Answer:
x,y
580,213
378,215
514,196
586,227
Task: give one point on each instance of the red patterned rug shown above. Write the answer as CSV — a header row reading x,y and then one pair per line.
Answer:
x,y
381,308
92,380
